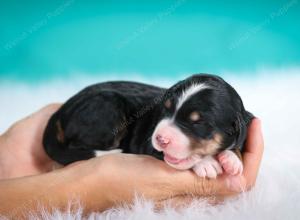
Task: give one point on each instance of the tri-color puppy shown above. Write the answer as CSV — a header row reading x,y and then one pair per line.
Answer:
x,y
188,125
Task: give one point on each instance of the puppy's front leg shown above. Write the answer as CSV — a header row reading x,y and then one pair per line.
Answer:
x,y
231,161
208,167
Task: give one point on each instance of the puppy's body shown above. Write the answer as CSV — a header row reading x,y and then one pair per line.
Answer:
x,y
186,124
105,116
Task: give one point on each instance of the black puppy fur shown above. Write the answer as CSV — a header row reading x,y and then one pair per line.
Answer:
x,y
123,115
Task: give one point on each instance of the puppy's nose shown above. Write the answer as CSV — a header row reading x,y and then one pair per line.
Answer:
x,y
162,141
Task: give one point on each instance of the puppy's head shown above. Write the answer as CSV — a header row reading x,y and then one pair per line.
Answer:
x,y
202,115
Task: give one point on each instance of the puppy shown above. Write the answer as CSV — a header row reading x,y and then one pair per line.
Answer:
x,y
187,125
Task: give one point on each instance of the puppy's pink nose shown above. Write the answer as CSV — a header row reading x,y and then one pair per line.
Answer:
x,y
162,141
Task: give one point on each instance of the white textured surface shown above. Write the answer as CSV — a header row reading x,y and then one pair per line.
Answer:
x,y
276,100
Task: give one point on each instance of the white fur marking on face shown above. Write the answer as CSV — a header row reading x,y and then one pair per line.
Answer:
x,y
99,153
230,162
186,94
208,167
179,142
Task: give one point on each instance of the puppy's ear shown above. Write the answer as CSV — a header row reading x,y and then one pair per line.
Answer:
x,y
240,127
248,116
236,126
238,123
241,121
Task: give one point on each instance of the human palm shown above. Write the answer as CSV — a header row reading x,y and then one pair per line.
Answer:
x,y
21,150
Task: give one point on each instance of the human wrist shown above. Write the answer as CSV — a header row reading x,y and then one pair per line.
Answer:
x,y
33,192
88,184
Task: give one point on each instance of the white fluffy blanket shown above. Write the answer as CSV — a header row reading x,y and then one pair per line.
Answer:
x,y
272,95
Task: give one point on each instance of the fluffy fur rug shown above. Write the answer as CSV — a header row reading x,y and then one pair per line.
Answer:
x,y
273,98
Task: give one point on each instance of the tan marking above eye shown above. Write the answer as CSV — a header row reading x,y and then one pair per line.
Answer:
x,y
168,103
195,116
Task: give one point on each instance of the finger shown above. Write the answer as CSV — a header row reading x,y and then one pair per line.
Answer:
x,y
253,151
38,121
189,183
35,119
45,111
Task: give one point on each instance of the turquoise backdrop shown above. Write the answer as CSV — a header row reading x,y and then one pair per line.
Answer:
x,y
42,40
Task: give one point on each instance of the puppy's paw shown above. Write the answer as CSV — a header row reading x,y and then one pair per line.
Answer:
x,y
230,162
208,167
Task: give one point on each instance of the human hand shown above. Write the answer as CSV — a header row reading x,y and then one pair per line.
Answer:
x,y
21,149
123,175
110,180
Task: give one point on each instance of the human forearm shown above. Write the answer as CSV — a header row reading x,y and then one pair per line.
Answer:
x,y
54,189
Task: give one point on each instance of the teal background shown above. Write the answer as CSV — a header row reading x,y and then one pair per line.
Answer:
x,y
43,40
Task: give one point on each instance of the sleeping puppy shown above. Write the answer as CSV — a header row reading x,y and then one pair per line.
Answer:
x,y
203,116
187,125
